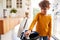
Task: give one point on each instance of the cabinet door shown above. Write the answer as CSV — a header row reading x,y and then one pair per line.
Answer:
x,y
6,25
1,27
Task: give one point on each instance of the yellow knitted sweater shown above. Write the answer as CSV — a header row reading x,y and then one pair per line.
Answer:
x,y
43,26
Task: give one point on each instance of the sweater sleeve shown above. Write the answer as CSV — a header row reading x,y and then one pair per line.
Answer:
x,y
50,27
33,22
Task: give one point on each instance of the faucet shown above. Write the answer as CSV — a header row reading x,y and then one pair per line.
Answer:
x,y
4,11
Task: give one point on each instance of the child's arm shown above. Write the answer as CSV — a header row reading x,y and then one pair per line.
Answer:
x,y
50,27
33,22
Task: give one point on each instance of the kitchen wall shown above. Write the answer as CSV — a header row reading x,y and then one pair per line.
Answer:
x,y
20,11
1,8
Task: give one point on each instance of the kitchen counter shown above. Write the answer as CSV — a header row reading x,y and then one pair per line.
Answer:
x,y
6,24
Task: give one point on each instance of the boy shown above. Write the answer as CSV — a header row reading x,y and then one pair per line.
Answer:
x,y
43,20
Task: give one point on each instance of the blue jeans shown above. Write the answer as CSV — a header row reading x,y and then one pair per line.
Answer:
x,y
43,38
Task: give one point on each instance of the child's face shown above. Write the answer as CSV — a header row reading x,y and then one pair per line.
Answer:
x,y
44,11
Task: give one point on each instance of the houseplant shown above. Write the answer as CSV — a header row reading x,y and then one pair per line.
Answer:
x,y
13,12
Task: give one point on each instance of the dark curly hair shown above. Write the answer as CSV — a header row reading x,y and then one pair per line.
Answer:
x,y
44,4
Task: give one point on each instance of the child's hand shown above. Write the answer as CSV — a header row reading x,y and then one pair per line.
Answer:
x,y
27,33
